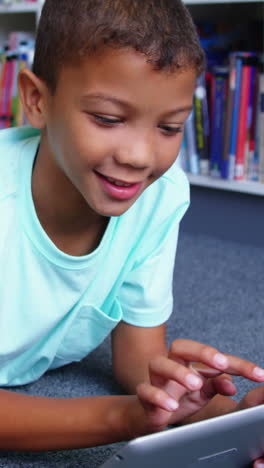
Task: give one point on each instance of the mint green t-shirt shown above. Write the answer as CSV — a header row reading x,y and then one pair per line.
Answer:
x,y
56,308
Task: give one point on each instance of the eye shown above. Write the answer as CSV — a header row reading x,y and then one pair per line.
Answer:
x,y
106,120
169,130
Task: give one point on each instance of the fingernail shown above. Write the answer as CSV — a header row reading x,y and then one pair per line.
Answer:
x,y
220,360
171,404
229,382
193,381
259,465
258,372
231,385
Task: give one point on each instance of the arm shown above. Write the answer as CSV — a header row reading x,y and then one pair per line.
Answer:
x,y
31,423
132,350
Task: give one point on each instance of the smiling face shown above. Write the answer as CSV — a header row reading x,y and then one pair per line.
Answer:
x,y
114,126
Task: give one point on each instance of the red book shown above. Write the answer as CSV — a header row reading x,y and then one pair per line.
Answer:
x,y
252,171
242,123
10,88
5,114
2,92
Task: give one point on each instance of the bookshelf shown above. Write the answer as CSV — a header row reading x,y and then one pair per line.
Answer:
x,y
20,8
230,10
245,186
204,2
226,209
20,16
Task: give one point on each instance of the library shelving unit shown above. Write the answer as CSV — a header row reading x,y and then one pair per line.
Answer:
x,y
229,9
232,210
20,7
20,16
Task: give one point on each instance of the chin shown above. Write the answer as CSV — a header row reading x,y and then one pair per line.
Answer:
x,y
114,211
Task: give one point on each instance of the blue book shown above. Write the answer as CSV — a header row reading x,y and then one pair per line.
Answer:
x,y
218,119
228,115
193,156
261,122
182,158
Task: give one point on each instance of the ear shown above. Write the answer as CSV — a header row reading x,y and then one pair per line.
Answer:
x,y
33,93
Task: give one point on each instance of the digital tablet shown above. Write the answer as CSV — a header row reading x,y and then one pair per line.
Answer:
x,y
230,441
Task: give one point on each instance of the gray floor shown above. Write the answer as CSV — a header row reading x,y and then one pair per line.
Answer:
x,y
219,300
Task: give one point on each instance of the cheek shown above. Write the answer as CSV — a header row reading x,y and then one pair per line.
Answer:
x,y
169,154
69,145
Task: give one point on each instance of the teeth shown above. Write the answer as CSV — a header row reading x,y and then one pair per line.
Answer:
x,y
119,184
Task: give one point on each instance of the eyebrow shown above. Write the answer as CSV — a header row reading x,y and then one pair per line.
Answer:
x,y
124,104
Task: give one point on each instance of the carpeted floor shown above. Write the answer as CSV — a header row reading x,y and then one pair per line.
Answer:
x,y
219,300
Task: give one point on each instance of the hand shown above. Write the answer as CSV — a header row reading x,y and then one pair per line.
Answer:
x,y
253,398
259,463
177,389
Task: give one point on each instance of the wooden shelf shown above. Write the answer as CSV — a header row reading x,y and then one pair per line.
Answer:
x,y
204,2
245,186
20,8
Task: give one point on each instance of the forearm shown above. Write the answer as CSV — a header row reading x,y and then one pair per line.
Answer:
x,y
136,370
132,350
29,423
130,377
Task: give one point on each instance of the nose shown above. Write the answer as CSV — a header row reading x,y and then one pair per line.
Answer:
x,y
137,152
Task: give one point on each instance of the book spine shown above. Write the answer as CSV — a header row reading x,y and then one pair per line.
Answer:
x,y
261,127
10,90
15,97
243,121
220,89
2,90
20,119
182,156
191,144
6,84
202,124
251,163
228,115
235,116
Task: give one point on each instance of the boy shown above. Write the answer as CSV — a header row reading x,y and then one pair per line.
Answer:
x,y
92,203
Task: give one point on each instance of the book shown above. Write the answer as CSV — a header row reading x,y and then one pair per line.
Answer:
x,y
10,89
235,117
260,125
251,162
218,118
243,118
182,158
202,128
193,156
17,54
228,115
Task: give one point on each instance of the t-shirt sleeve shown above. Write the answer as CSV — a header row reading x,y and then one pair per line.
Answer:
x,y
146,296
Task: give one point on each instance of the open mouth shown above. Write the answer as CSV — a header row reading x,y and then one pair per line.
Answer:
x,y
119,183
119,189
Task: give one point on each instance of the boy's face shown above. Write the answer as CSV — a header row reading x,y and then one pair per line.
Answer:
x,y
115,125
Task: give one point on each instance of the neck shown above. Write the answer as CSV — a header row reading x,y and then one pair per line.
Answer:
x,y
62,210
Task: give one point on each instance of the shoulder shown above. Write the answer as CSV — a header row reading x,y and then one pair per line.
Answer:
x,y
12,141
11,137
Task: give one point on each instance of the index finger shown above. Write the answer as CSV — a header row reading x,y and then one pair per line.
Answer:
x,y
193,351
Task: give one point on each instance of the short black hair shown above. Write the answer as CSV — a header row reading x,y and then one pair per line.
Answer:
x,y
162,30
